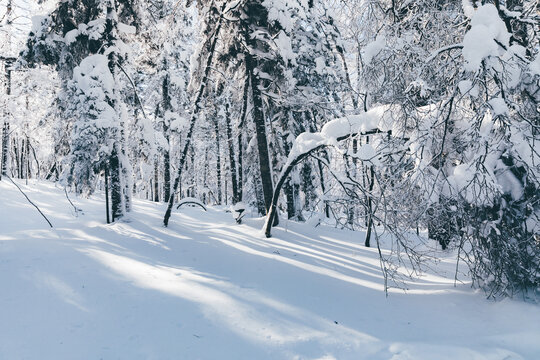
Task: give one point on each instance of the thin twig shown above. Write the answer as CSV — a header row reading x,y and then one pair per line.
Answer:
x,y
74,207
134,90
30,201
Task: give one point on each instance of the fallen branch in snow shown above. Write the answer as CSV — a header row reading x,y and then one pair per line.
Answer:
x,y
191,201
30,201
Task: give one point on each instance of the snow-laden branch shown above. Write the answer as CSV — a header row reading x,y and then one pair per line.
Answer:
x,y
376,120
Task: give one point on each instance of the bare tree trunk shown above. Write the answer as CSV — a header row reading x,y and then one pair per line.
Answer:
x,y
371,180
116,187
260,129
166,174
205,177
350,215
289,194
193,192
218,160
166,153
5,128
27,155
313,128
17,159
323,188
156,180
5,148
232,161
259,195
107,194
241,142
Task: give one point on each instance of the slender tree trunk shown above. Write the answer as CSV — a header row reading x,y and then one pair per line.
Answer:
x,y
5,129
260,129
156,180
196,110
107,194
232,161
289,194
371,180
259,194
116,187
226,194
28,175
5,147
240,140
289,188
166,173
313,128
166,153
323,188
205,177
17,159
351,211
240,166
218,160
22,161
193,192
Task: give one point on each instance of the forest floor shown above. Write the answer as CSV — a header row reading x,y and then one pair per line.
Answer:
x,y
206,288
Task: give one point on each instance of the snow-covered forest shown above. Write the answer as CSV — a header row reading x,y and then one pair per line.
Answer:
x,y
270,179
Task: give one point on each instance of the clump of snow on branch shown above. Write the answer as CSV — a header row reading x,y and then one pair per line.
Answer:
x,y
485,37
376,118
373,49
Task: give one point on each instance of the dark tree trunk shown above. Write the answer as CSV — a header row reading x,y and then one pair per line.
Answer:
x,y
166,153
371,180
313,128
259,195
107,194
260,129
166,174
5,129
240,140
205,177
289,194
218,160
232,161
156,181
27,155
5,148
116,188
240,167
351,212
323,188
193,192
17,159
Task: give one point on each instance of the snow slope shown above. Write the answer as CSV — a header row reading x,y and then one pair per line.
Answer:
x,y
206,288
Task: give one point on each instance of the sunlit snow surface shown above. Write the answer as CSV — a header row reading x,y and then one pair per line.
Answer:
x,y
207,288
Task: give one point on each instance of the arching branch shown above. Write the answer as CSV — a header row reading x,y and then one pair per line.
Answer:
x,y
271,218
191,201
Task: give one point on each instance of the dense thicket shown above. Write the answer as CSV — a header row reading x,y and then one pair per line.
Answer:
x,y
388,116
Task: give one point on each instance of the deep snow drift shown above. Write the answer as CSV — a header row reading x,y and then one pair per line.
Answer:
x,y
206,288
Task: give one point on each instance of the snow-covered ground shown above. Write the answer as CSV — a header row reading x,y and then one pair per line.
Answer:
x,y
206,288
